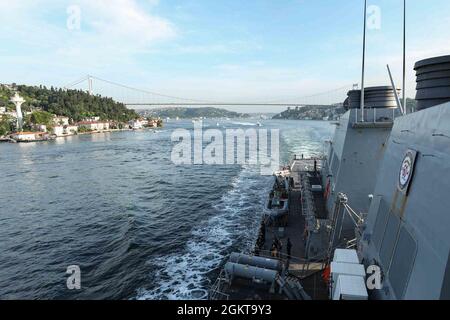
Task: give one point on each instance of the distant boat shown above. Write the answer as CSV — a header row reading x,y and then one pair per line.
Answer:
x,y
259,124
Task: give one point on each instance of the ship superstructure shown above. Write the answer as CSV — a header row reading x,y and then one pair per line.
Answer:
x,y
406,232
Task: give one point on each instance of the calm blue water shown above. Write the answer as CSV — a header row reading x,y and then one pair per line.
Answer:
x,y
138,226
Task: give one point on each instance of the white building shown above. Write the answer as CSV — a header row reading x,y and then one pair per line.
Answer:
x,y
61,121
40,127
91,119
138,124
153,123
94,125
62,131
12,114
29,136
24,136
2,110
143,123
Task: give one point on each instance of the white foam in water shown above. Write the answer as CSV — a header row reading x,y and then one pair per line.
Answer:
x,y
184,276
248,124
307,140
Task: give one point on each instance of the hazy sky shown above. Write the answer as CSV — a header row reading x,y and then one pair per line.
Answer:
x,y
252,50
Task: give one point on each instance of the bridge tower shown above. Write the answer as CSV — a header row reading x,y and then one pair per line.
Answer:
x,y
18,102
91,90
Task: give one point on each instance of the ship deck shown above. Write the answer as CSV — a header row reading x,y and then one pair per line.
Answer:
x,y
308,274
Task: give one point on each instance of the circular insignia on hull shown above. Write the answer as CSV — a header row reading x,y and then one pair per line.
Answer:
x,y
406,171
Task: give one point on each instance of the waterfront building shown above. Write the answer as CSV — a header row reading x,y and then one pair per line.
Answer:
x,y
139,124
94,125
91,119
66,130
136,125
29,136
61,121
153,123
12,114
40,127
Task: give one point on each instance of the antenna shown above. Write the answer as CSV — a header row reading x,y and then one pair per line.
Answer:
x,y
404,57
363,61
399,104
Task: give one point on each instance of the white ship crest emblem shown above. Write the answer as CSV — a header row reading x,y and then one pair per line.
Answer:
x,y
407,170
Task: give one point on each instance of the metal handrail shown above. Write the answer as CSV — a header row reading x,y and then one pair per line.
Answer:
x,y
375,113
216,288
306,262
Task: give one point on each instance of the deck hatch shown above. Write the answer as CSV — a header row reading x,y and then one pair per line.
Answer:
x,y
389,240
402,262
380,223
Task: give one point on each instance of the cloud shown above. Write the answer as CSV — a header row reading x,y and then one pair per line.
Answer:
x,y
126,22
111,32
228,47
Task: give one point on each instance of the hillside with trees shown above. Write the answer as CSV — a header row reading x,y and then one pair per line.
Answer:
x,y
326,112
191,113
311,113
75,104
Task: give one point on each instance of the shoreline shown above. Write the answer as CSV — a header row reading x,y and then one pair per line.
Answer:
x,y
10,140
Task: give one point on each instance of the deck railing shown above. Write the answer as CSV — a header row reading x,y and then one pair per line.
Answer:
x,y
216,291
305,263
375,115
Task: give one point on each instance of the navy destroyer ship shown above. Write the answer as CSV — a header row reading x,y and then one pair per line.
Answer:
x,y
370,220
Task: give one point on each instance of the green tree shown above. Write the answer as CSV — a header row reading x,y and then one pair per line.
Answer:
x,y
5,125
42,117
75,104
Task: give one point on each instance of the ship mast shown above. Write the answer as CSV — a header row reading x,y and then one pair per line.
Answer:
x,y
363,61
404,57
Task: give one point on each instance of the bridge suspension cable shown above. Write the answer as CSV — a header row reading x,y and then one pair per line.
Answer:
x,y
150,92
139,97
300,98
77,82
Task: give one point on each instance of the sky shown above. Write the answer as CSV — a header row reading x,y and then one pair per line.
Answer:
x,y
218,50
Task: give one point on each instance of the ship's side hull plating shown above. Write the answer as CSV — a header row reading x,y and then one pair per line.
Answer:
x,y
407,232
355,155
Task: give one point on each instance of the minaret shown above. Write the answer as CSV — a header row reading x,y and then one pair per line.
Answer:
x,y
18,101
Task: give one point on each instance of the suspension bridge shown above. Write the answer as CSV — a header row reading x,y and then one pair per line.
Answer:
x,y
135,97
